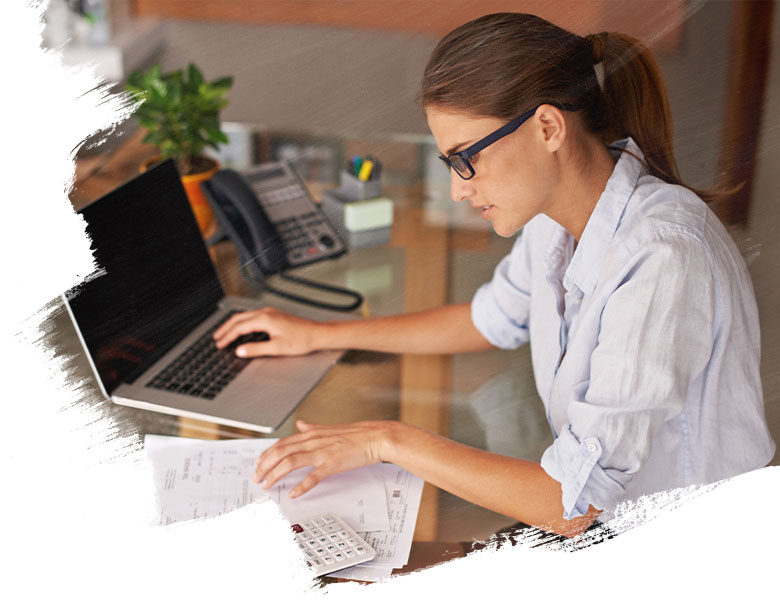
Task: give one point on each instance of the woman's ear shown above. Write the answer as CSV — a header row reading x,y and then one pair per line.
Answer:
x,y
552,126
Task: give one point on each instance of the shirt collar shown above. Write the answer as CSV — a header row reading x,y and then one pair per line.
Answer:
x,y
585,265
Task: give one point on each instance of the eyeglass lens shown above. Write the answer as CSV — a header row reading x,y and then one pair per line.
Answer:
x,y
460,165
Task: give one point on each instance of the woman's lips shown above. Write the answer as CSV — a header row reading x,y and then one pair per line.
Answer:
x,y
486,210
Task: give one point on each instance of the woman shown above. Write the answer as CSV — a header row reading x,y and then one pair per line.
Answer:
x,y
641,311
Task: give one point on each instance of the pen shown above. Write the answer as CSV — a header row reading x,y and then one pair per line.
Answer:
x,y
357,162
365,170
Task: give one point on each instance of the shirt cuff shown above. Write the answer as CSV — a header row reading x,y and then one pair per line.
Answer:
x,y
491,321
574,464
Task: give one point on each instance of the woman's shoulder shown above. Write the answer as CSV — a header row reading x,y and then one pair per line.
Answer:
x,y
658,210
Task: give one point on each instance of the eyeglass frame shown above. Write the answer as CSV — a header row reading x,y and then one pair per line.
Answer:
x,y
491,138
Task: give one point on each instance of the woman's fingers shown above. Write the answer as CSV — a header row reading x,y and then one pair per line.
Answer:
x,y
238,325
328,448
282,468
309,482
277,461
289,335
256,349
232,322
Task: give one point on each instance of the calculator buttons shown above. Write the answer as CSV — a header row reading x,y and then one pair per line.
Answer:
x,y
329,544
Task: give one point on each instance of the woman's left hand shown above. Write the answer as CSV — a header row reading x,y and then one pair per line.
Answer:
x,y
329,449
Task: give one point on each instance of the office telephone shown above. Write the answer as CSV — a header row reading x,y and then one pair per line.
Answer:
x,y
275,225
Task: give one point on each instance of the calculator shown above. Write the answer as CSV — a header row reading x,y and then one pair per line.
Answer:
x,y
329,544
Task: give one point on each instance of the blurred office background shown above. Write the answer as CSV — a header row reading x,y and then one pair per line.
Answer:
x,y
345,68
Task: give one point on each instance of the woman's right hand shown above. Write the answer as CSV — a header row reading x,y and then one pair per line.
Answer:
x,y
288,335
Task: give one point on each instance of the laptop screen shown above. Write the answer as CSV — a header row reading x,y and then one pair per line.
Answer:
x,y
157,281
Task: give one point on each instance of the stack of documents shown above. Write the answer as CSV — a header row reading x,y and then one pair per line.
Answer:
x,y
198,479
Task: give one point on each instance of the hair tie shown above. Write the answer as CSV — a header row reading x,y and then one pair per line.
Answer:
x,y
598,44
598,69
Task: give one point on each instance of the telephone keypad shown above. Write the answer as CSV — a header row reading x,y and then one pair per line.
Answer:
x,y
305,232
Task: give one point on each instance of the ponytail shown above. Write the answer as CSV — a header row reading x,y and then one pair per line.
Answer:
x,y
634,101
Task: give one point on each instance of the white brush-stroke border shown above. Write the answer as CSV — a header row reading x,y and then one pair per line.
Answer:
x,y
75,501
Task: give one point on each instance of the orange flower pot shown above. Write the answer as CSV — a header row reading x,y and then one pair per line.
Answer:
x,y
207,223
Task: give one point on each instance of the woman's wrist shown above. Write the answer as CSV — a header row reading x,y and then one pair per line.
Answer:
x,y
323,335
394,435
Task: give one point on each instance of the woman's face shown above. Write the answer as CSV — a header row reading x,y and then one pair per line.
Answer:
x,y
514,177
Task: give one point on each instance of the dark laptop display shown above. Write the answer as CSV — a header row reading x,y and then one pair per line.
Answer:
x,y
158,280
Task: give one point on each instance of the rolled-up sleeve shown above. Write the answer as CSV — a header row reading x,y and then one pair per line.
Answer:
x,y
500,308
655,339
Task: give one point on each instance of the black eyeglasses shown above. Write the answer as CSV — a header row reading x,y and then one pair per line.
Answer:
x,y
460,160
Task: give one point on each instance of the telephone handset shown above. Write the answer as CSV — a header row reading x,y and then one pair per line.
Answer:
x,y
275,225
238,209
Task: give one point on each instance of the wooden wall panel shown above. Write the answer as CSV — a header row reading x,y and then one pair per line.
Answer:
x,y
658,23
751,27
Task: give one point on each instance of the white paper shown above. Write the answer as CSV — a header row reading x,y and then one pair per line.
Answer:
x,y
404,491
364,573
198,479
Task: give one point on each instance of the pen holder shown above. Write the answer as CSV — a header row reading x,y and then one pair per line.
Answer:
x,y
353,189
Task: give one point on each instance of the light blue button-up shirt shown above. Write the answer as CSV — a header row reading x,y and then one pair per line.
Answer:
x,y
644,342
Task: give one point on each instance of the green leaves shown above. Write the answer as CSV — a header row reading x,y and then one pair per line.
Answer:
x,y
181,113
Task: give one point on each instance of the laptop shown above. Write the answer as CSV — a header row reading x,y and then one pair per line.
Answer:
x,y
155,295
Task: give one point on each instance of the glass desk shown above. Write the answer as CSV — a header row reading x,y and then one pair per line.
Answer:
x,y
439,253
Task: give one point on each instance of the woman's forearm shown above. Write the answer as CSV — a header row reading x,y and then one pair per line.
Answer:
x,y
517,488
444,330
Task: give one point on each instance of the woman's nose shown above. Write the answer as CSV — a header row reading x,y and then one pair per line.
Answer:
x,y
460,189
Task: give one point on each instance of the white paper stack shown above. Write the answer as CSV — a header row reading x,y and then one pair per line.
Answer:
x,y
404,491
197,479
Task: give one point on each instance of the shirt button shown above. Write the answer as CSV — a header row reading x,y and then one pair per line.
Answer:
x,y
591,447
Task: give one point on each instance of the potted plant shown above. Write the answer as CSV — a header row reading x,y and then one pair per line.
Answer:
x,y
180,111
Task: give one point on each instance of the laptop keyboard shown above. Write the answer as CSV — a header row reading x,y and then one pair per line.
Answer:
x,y
203,370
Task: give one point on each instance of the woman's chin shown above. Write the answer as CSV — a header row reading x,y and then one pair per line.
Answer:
x,y
504,230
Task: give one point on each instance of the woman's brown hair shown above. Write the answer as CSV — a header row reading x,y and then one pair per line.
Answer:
x,y
504,64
